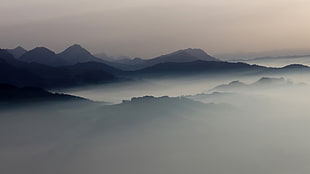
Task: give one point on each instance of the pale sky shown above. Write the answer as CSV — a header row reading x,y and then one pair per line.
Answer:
x,y
147,28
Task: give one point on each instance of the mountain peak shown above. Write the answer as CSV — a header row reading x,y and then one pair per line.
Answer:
x,y
75,49
77,54
20,48
42,55
75,46
185,55
193,50
17,52
271,80
198,53
42,50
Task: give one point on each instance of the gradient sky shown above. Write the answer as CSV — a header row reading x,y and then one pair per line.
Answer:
x,y
147,28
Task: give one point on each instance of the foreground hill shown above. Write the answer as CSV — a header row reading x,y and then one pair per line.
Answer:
x,y
10,95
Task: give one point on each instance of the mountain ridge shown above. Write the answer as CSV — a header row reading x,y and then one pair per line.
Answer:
x,y
44,56
17,52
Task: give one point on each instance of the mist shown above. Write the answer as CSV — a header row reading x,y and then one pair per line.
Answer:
x,y
201,127
144,97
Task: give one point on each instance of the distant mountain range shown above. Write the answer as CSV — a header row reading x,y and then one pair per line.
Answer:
x,y
263,83
76,66
16,72
17,52
272,58
43,56
77,54
199,66
180,56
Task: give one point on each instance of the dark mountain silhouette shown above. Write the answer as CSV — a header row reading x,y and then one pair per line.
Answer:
x,y
74,75
10,94
288,69
20,73
295,66
17,52
36,69
199,67
10,72
76,54
43,56
95,66
9,58
217,67
186,55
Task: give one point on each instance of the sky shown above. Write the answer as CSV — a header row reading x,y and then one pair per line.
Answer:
x,y
148,28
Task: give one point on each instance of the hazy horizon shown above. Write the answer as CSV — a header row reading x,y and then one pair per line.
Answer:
x,y
151,28
182,113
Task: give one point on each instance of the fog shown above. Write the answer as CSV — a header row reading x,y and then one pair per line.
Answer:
x,y
116,92
257,128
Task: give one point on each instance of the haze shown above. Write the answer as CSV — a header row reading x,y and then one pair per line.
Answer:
x,y
149,28
255,131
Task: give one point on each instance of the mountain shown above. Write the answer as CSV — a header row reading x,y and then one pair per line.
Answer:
x,y
262,83
94,66
181,56
43,56
231,86
12,74
199,66
295,67
186,55
77,54
224,97
74,75
17,52
15,72
10,94
218,67
7,57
